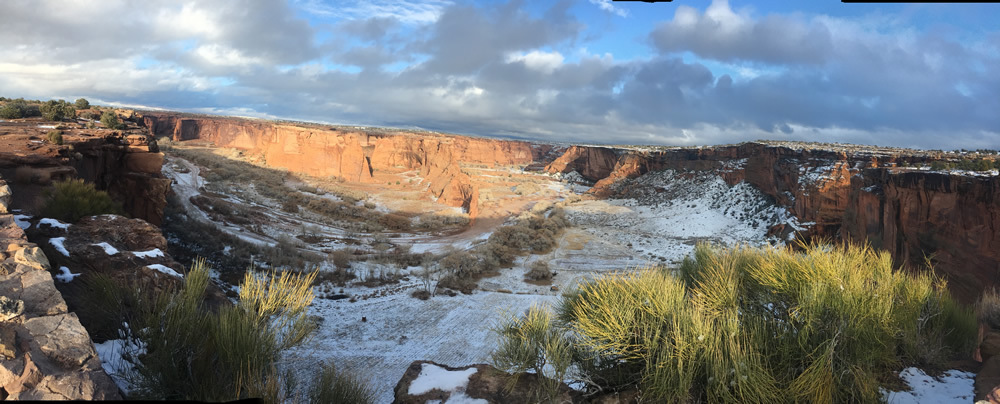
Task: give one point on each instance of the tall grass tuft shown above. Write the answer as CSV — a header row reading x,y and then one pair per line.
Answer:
x,y
192,353
332,385
761,326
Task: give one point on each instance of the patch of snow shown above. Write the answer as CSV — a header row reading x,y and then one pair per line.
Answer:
x,y
115,357
459,397
53,223
165,269
435,377
227,250
22,221
59,244
65,276
148,254
47,126
954,386
108,248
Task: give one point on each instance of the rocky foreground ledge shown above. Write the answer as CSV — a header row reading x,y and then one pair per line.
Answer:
x,y
45,353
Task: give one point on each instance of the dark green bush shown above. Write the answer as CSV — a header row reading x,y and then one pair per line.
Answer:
x,y
13,109
82,103
53,110
54,136
110,120
72,200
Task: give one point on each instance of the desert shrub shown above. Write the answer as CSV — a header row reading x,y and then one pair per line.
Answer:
x,y
290,206
72,200
761,325
988,309
531,342
461,264
330,385
95,115
110,120
82,103
53,110
539,271
341,258
13,109
452,281
55,136
192,353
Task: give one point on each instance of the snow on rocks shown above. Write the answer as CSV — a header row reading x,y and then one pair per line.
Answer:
x,y
435,377
53,223
59,244
108,248
165,269
22,221
954,386
154,253
65,276
114,354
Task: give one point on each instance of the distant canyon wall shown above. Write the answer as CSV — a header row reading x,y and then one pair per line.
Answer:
x,y
356,155
952,219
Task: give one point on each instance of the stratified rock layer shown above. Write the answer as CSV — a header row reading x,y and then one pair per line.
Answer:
x,y
355,155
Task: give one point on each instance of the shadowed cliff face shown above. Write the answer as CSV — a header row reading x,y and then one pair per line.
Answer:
x,y
954,220
353,155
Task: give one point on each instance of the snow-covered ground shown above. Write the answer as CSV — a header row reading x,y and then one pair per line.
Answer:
x,y
379,337
954,386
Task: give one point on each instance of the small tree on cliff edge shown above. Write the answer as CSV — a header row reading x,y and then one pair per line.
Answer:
x,y
110,121
82,103
74,199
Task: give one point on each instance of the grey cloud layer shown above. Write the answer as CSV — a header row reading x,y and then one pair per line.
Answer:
x,y
492,70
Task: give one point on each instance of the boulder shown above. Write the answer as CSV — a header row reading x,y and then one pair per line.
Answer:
x,y
32,257
484,383
62,339
5,197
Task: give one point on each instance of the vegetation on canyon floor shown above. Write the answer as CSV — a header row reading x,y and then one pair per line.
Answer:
x,y
828,324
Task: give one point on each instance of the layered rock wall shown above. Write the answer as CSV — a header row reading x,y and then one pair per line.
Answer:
x,y
45,353
354,155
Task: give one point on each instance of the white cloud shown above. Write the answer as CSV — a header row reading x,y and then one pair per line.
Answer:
x,y
407,11
545,62
607,6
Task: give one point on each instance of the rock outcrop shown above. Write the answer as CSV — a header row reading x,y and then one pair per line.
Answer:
x,y
126,164
46,353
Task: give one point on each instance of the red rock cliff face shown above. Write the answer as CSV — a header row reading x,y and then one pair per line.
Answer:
x,y
953,219
355,155
593,163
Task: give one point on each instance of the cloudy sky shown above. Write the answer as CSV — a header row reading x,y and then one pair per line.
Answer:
x,y
585,71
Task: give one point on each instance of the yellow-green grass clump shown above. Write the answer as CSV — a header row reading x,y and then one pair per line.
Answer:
x,y
827,324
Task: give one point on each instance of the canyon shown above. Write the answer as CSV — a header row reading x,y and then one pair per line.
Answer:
x,y
843,192
628,207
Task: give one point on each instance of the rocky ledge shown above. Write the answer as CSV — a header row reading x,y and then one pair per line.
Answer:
x,y
45,353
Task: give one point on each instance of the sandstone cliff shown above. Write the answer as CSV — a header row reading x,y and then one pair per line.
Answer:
x,y
352,154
